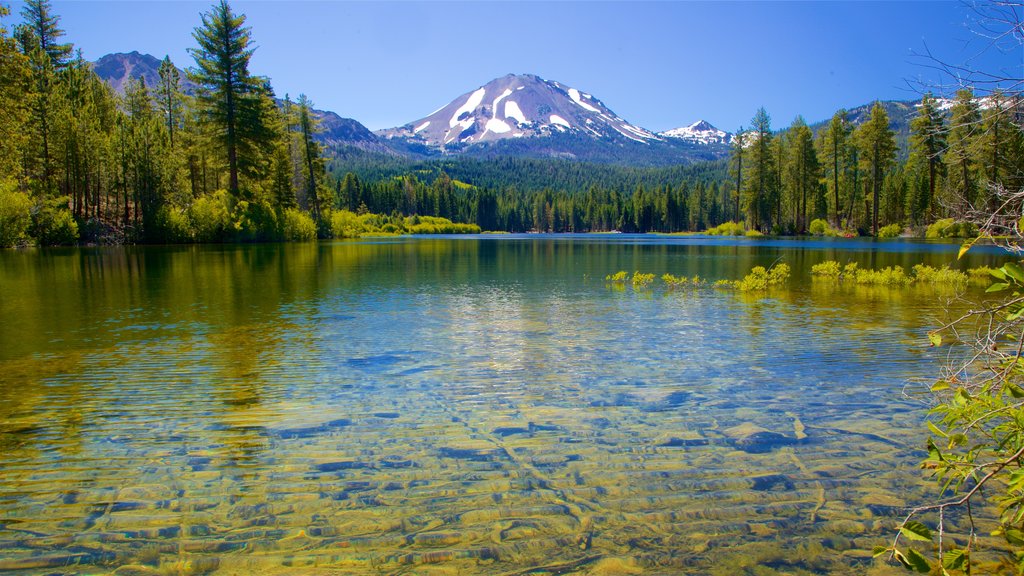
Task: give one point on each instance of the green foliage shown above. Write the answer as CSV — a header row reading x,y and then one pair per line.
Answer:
x,y
345,224
948,228
761,279
641,280
53,224
436,225
826,269
821,227
888,276
890,231
211,217
15,215
682,281
729,228
619,277
753,234
172,226
944,275
297,225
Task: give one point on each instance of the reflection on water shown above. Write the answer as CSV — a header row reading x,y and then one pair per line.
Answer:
x,y
471,405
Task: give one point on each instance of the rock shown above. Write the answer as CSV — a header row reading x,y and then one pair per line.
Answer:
x,y
753,439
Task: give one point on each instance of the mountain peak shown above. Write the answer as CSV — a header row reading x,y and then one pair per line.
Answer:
x,y
518,106
700,132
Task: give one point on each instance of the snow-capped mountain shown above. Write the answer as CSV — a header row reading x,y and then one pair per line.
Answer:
x,y
700,132
519,106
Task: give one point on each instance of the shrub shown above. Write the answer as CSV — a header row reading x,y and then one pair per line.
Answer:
x,y
297,225
821,227
642,280
827,269
753,234
53,224
890,231
679,281
210,216
729,228
619,276
253,222
346,224
888,276
948,228
944,275
761,279
172,225
15,215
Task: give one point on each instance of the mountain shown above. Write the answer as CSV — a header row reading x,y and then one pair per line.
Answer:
x,y
525,115
335,132
700,132
120,68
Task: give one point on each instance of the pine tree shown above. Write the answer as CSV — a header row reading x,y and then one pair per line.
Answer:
x,y
965,124
877,144
802,171
169,95
231,102
927,147
45,27
312,159
14,113
834,142
739,144
758,191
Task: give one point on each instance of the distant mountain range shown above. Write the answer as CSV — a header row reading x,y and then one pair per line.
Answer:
x,y
518,115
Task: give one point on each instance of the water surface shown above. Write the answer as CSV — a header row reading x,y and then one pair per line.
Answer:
x,y
472,405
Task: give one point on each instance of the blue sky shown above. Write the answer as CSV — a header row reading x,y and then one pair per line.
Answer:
x,y
657,64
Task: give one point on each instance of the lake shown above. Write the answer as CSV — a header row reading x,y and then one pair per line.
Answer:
x,y
460,405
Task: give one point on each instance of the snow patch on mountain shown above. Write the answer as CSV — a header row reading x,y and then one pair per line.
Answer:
x,y
575,95
474,100
556,119
512,111
422,126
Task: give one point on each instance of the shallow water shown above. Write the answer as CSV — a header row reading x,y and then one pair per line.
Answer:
x,y
473,405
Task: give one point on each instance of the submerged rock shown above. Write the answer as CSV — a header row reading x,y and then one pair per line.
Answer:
x,y
753,439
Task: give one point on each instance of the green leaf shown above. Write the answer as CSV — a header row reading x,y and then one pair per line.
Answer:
x,y
917,561
966,246
916,531
935,338
1014,390
940,385
1014,536
997,274
997,287
1013,270
935,430
879,550
954,559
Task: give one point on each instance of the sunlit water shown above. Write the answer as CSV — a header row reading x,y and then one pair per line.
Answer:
x,y
475,405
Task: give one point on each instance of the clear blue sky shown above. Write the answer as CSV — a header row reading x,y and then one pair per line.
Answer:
x,y
657,64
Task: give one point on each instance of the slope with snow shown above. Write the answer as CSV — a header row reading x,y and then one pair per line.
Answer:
x,y
700,132
518,106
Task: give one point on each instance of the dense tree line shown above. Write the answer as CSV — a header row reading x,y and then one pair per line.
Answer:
x,y
850,175
79,162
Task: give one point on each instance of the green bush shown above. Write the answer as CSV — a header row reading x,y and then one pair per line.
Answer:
x,y
753,234
890,231
761,279
820,227
15,215
254,221
888,276
944,275
53,224
211,217
826,269
346,224
297,225
642,280
172,225
948,228
729,228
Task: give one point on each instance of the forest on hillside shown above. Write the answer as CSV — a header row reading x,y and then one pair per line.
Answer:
x,y
80,163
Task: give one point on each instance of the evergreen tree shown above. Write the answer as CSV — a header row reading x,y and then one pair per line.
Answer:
x,y
758,190
45,30
927,147
739,144
312,160
802,171
169,94
230,101
965,124
834,142
877,144
14,113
